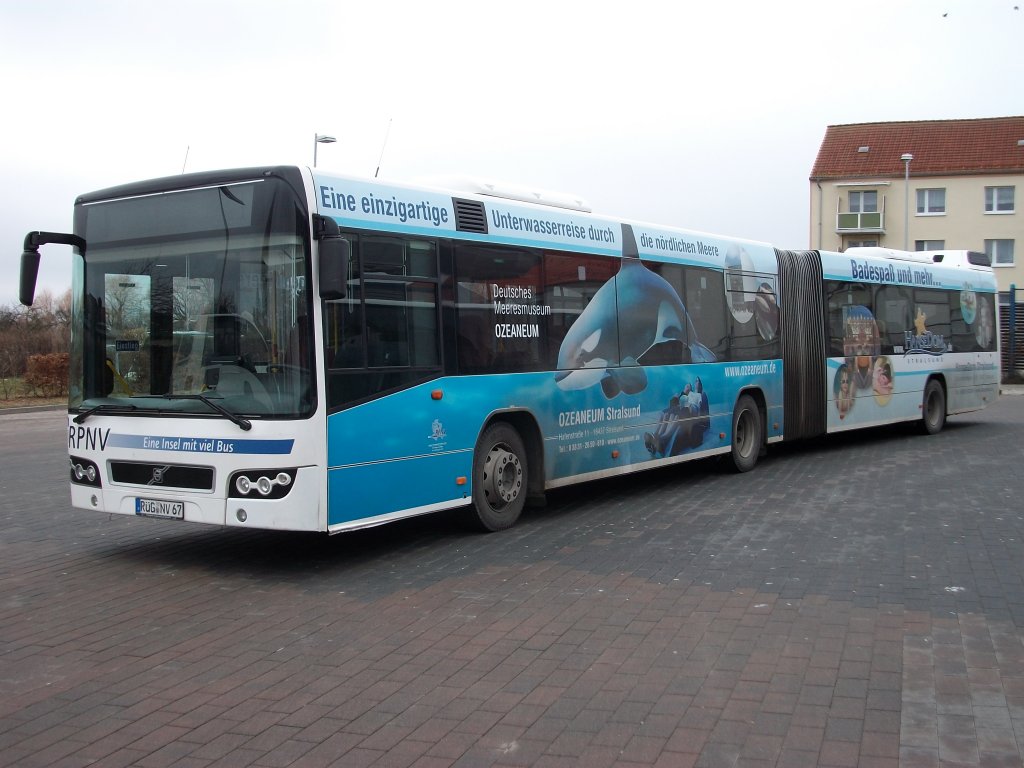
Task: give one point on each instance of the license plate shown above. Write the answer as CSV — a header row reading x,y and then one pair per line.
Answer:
x,y
159,508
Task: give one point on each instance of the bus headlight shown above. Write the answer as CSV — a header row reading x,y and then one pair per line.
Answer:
x,y
85,472
268,483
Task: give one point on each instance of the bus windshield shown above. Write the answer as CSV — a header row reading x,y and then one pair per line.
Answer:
x,y
194,292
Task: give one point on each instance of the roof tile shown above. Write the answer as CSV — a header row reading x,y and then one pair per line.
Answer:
x,y
939,147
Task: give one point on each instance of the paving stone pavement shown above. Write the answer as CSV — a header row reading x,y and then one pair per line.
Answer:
x,y
854,601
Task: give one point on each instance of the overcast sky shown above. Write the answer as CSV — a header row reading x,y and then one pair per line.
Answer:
x,y
704,115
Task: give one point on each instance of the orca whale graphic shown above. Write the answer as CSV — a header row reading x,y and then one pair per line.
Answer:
x,y
636,313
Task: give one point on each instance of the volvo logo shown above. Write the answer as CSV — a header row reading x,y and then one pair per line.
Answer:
x,y
158,476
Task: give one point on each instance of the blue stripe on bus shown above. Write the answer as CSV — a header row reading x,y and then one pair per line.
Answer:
x,y
199,445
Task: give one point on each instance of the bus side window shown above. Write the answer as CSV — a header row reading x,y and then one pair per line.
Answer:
x,y
401,324
931,313
984,326
836,300
841,296
753,314
497,293
706,304
571,282
973,321
343,336
893,315
475,352
384,335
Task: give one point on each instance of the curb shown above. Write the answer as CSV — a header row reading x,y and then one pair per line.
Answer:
x,y
32,409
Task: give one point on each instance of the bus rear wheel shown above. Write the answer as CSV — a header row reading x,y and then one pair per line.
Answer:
x,y
746,434
499,478
933,408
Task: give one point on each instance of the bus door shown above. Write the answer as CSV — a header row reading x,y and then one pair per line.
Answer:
x,y
379,341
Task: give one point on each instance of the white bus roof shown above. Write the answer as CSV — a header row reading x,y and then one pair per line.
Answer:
x,y
949,257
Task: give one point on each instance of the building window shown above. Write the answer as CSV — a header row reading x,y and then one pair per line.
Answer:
x,y
862,244
931,201
864,201
999,200
1000,251
929,245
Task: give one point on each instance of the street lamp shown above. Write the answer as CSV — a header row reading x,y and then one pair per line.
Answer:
x,y
319,138
906,157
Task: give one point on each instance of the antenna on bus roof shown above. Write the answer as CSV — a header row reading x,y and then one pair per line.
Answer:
x,y
187,148
386,134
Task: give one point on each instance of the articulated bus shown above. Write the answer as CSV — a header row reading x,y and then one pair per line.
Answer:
x,y
283,348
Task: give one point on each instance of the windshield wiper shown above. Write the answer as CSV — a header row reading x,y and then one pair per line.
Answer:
x,y
241,421
103,407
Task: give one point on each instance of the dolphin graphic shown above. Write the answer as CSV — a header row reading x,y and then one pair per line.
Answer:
x,y
637,313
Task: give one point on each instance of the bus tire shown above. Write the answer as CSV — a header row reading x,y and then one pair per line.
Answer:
x,y
933,408
499,478
746,434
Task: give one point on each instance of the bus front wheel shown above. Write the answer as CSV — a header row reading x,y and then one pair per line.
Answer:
x,y
933,408
499,478
746,434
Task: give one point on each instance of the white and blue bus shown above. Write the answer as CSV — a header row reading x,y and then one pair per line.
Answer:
x,y
282,348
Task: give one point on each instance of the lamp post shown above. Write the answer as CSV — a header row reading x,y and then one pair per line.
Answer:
x,y
319,138
906,157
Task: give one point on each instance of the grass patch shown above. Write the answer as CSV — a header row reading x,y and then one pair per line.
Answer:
x,y
14,393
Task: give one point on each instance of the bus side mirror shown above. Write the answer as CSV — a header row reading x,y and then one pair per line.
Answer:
x,y
30,259
29,272
335,252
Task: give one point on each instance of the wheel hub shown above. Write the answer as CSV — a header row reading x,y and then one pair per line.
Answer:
x,y
505,474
